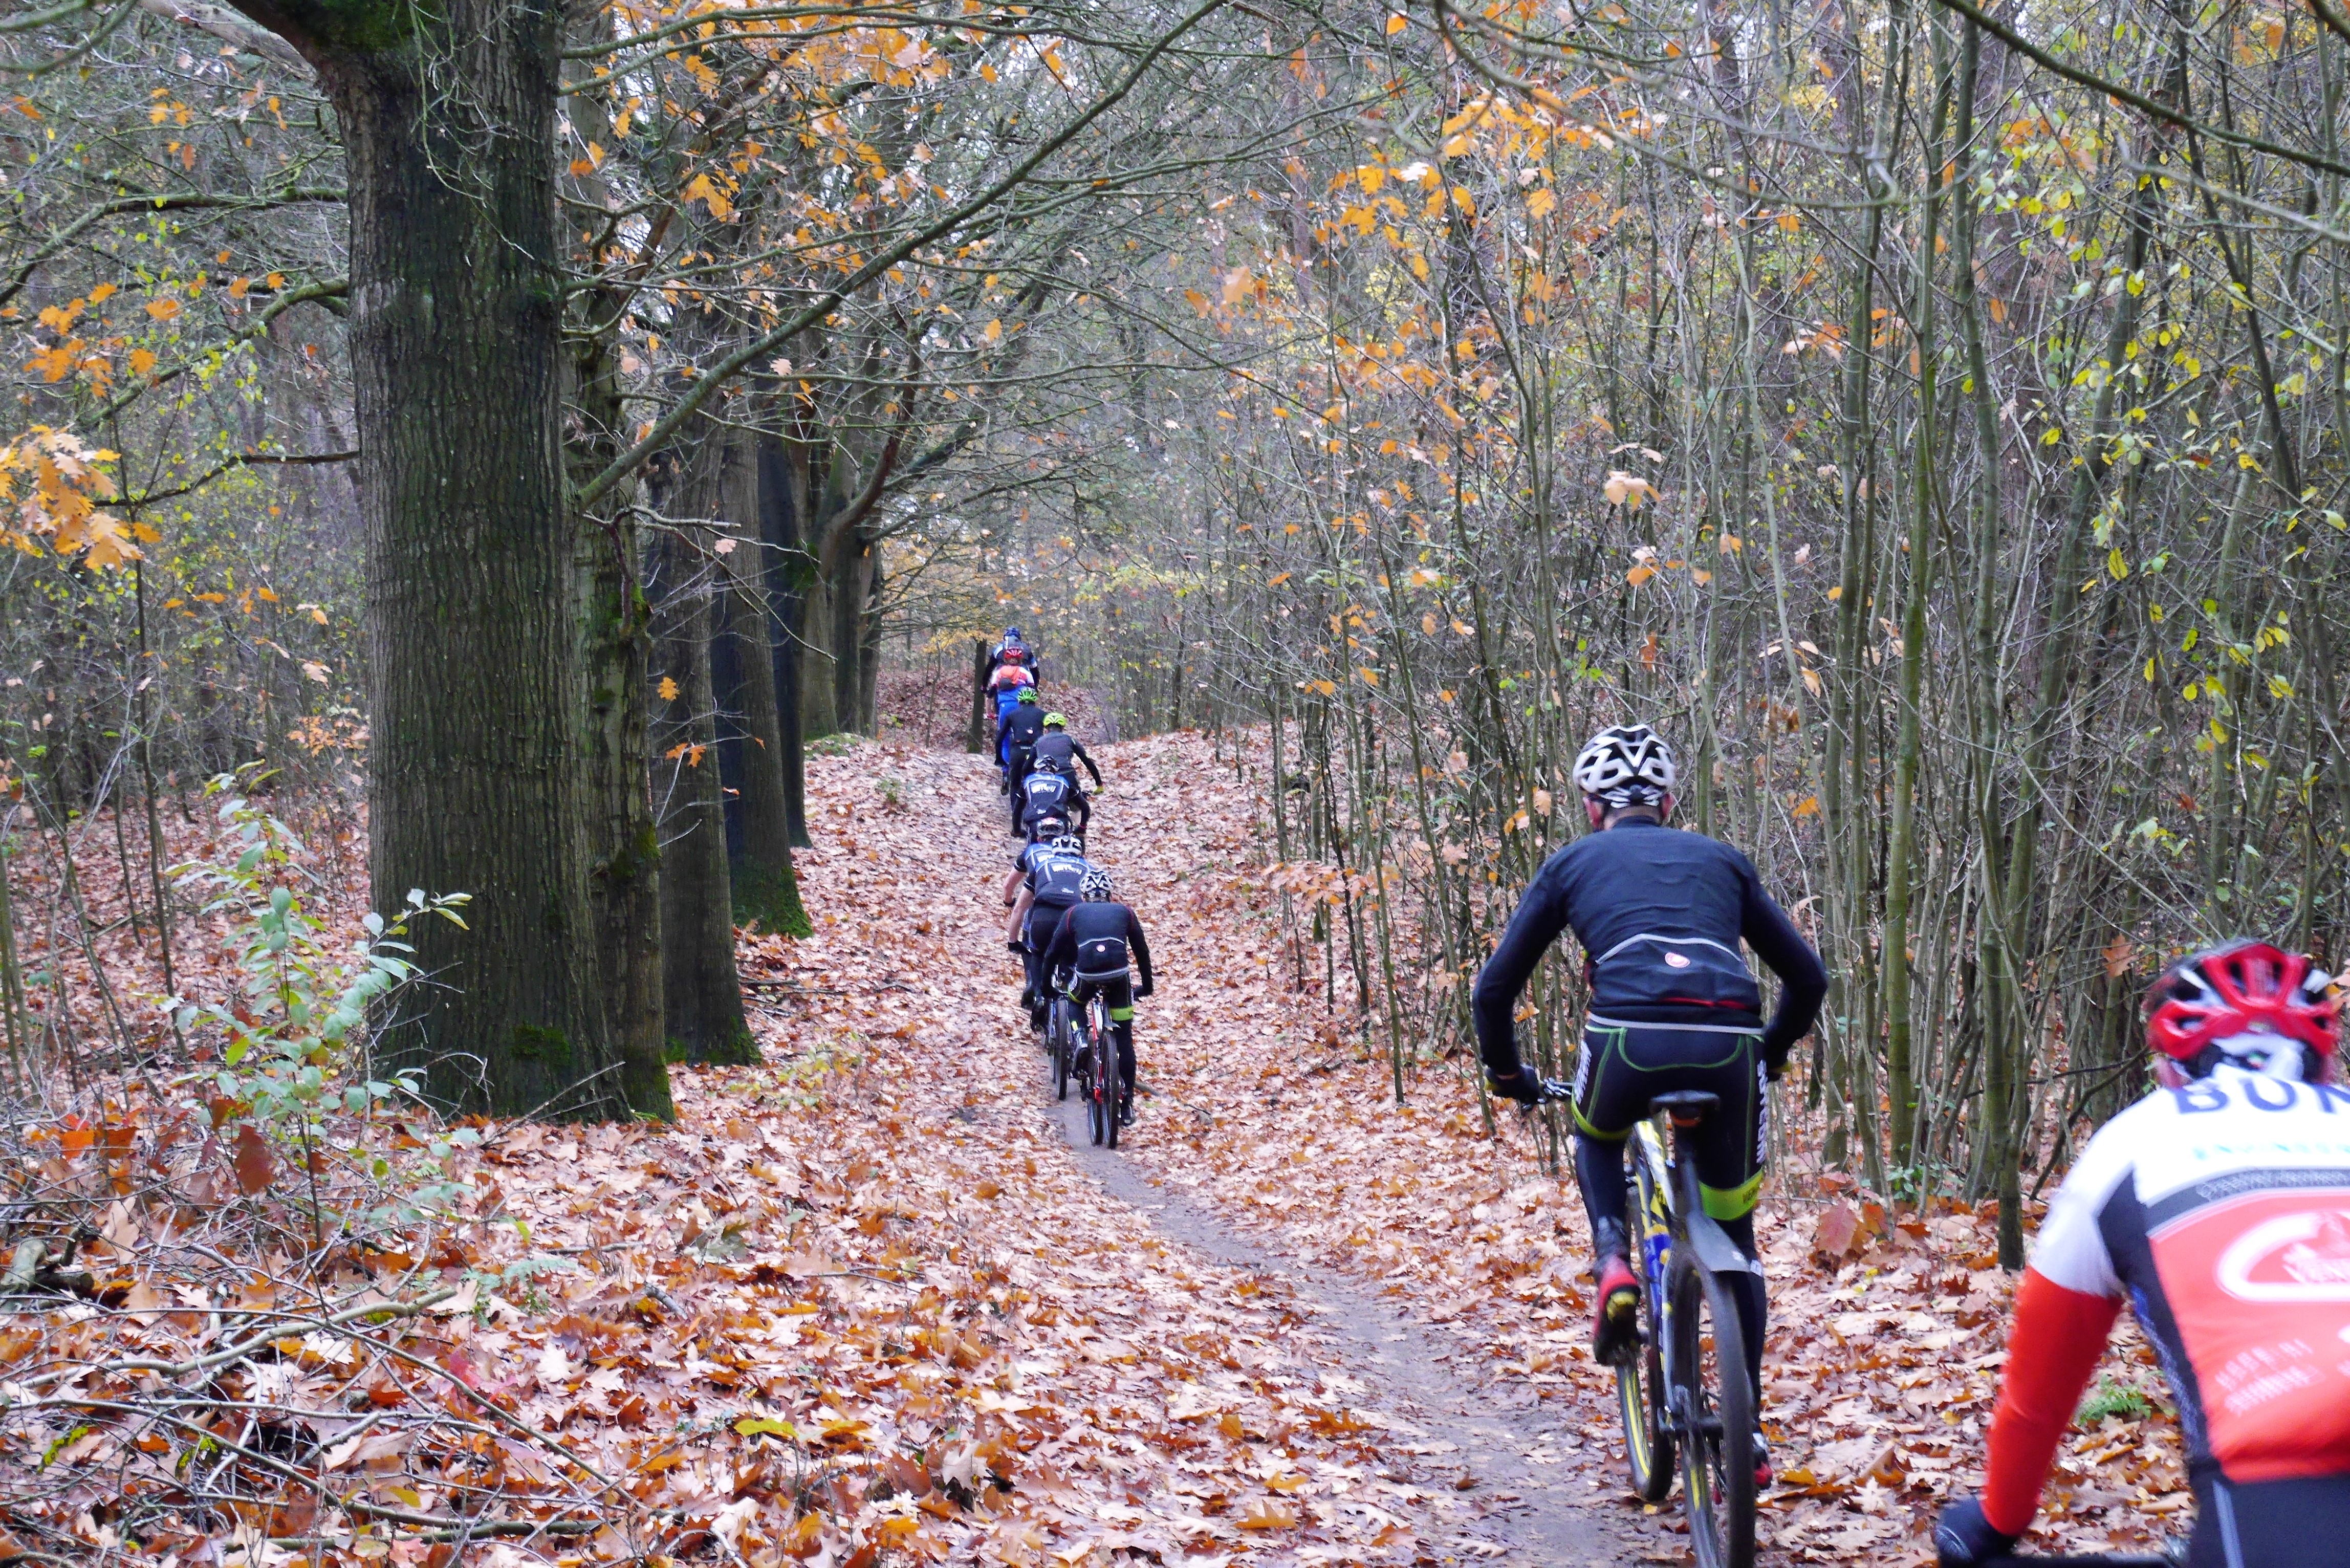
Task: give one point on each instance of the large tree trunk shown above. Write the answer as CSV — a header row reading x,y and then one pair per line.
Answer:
x,y
624,888
783,502
473,640
702,994
767,892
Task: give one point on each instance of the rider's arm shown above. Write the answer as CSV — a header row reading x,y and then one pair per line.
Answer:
x,y
1019,915
1802,983
2063,1312
1541,916
1080,750
1140,948
2053,1347
1012,884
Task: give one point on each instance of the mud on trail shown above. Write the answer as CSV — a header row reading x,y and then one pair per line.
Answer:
x,y
1213,1388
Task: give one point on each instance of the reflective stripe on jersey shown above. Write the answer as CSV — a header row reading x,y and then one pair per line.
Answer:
x,y
2221,1211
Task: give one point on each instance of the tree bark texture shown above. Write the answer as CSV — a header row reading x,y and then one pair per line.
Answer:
x,y
477,682
782,505
767,892
702,994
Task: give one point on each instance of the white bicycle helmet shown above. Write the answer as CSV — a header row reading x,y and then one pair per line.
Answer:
x,y
1094,887
1626,764
1067,841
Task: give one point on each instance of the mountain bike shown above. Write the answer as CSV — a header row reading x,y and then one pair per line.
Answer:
x,y
1683,1390
1098,1047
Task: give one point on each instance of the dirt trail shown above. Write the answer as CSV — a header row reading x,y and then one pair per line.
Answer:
x,y
1486,1465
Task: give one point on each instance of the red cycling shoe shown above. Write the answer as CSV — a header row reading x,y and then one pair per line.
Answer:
x,y
1616,1330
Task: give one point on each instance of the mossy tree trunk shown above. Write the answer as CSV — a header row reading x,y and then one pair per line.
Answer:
x,y
767,892
478,688
701,992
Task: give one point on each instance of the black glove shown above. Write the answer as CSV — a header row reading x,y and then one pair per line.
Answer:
x,y
1145,988
1016,945
1520,1086
1963,1537
1774,1062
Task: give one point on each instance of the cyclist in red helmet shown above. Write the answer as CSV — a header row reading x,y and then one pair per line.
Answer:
x,y
2219,1207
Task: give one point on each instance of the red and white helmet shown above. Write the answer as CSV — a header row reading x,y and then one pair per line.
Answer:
x,y
2244,999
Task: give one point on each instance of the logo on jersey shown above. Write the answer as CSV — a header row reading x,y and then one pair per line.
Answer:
x,y
2302,1257
1676,960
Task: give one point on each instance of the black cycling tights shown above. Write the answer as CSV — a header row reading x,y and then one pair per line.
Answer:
x,y
1619,1070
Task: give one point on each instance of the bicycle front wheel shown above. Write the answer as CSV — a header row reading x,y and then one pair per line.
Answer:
x,y
1713,1409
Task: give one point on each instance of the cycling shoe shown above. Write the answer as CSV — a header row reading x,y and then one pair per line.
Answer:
x,y
1615,1329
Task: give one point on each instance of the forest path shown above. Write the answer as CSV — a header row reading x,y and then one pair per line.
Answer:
x,y
1468,1445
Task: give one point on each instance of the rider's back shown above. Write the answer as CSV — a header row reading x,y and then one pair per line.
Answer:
x,y
2221,1211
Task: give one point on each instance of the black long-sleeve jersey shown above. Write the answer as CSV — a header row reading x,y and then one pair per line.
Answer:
x,y
1024,724
1060,750
1095,939
1659,914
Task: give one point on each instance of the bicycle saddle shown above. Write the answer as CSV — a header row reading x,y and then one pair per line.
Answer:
x,y
1686,1107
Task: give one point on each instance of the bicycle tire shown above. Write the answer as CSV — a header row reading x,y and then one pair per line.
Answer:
x,y
1092,1085
1640,1397
1112,1090
1716,1467
1063,1049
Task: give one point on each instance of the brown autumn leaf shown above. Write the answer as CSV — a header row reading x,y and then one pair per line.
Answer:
x,y
256,1166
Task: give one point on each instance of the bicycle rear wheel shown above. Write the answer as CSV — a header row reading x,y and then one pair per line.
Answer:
x,y
1113,1091
1091,1086
1713,1407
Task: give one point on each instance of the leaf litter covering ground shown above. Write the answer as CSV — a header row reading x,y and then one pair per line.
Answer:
x,y
1886,1338
862,1301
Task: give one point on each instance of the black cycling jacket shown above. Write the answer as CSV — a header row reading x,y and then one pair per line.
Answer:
x,y
1660,913
1051,874
1022,724
1094,941
1058,748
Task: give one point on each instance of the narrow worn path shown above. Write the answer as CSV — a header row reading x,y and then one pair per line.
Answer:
x,y
1480,1457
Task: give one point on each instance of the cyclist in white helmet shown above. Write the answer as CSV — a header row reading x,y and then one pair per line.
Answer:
x,y
1673,1006
1091,953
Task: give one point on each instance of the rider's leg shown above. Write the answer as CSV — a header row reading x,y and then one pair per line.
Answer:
x,y
1605,1110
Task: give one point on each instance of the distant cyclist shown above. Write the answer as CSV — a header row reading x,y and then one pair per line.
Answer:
x,y
1046,882
1003,686
1051,795
1090,950
1016,741
1059,750
1660,915
2219,1207
1013,649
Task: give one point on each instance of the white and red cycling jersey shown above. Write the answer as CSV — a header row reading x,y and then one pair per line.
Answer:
x,y
2220,1212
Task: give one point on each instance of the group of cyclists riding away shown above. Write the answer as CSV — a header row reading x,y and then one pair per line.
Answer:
x,y
2218,1207
1075,939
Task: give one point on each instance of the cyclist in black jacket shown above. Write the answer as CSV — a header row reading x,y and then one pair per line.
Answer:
x,y
1044,884
1660,915
1093,945
1060,751
1016,745
1048,795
